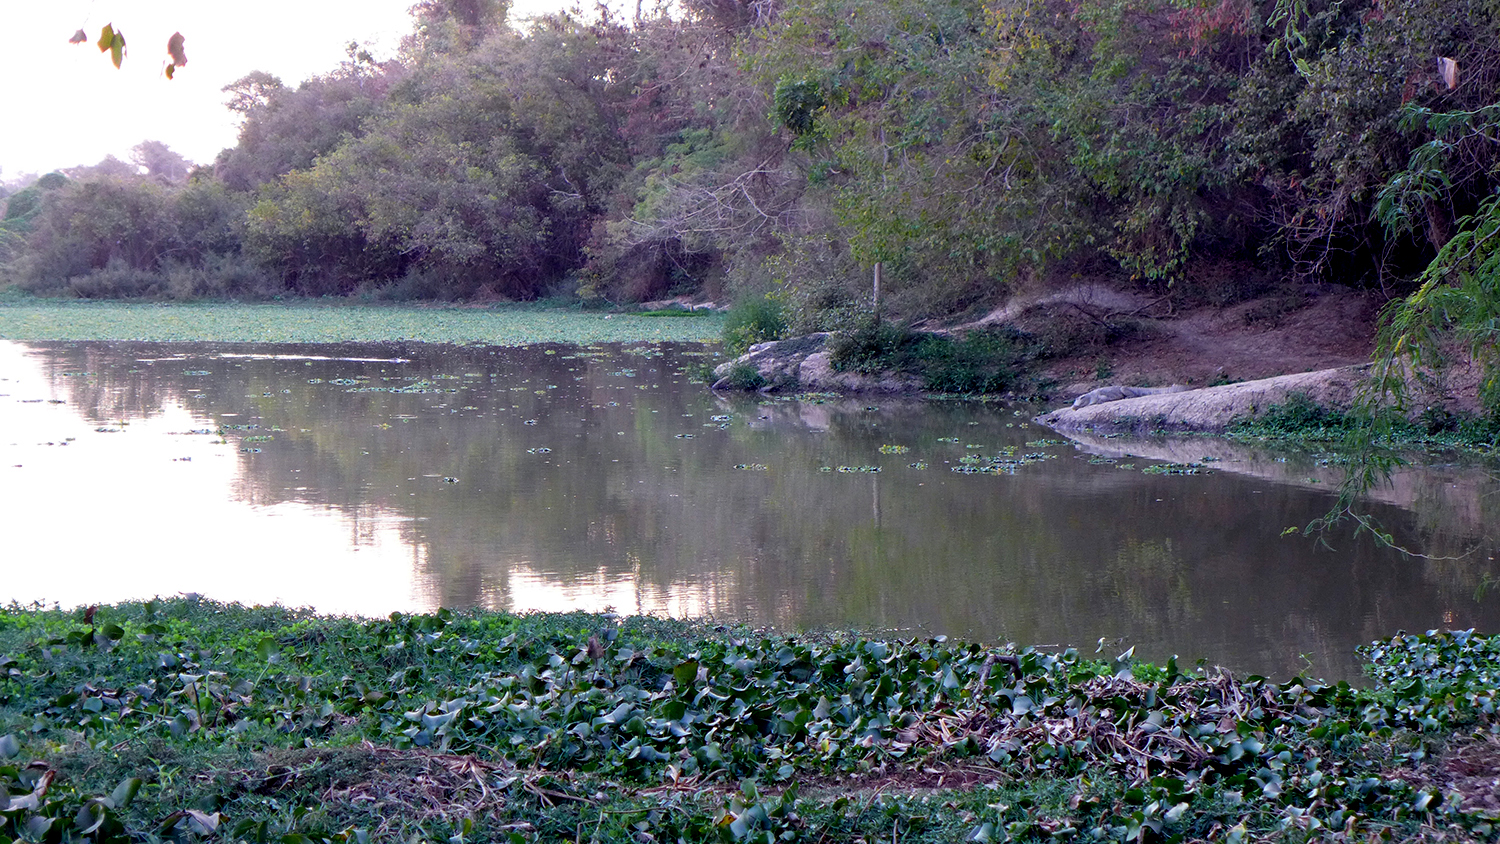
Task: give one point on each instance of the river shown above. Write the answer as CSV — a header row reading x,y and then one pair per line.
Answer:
x,y
370,478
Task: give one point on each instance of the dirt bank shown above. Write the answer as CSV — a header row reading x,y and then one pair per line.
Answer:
x,y
1153,341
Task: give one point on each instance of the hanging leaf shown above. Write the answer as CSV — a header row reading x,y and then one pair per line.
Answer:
x,y
178,54
78,37
1448,69
112,41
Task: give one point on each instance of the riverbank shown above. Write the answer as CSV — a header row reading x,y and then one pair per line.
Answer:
x,y
1211,409
187,719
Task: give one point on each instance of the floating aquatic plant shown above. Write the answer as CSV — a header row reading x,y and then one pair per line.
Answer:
x,y
1176,469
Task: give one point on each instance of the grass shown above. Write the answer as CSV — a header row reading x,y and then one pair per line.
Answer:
x,y
316,322
188,720
1299,419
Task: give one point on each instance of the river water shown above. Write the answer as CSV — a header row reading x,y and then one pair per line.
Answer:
x,y
366,479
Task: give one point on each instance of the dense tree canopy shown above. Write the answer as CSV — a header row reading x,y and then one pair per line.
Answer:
x,y
739,147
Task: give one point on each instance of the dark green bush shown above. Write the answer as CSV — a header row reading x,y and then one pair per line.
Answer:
x,y
1301,416
876,348
742,376
979,362
756,319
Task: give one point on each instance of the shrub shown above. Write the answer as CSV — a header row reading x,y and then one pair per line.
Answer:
x,y
753,320
222,277
876,348
118,280
1300,416
742,376
980,362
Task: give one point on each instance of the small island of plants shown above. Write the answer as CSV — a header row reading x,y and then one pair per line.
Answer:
x,y
189,720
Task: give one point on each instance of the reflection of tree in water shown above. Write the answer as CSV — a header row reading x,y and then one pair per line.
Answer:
x,y
1152,584
626,478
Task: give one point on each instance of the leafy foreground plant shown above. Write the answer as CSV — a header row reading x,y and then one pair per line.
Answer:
x,y
186,720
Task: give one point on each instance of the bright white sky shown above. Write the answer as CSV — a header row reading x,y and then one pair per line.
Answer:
x,y
64,104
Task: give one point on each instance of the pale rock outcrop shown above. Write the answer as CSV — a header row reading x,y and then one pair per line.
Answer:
x,y
1209,409
804,364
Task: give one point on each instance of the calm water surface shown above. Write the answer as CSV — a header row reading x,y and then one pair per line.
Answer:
x,y
371,478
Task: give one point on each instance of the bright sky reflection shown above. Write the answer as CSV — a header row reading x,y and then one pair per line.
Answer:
x,y
83,517
528,589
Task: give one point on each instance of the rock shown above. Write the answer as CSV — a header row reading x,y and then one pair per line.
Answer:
x,y
1209,409
804,363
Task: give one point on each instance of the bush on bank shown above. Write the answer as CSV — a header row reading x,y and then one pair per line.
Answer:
x,y
187,720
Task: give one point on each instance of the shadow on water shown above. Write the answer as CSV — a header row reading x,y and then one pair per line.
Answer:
x,y
560,477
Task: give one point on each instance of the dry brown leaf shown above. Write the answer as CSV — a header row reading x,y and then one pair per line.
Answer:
x,y
1448,69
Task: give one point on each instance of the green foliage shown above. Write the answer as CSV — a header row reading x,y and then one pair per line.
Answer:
x,y
965,145
989,361
119,229
754,319
796,104
743,376
979,362
1454,313
252,721
1301,417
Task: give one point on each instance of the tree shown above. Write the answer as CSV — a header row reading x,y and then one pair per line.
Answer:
x,y
160,161
286,129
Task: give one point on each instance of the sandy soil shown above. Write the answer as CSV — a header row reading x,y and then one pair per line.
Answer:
x,y
1311,327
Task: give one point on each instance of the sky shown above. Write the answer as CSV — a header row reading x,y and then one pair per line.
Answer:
x,y
64,104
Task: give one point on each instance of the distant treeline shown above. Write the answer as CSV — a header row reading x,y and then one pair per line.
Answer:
x,y
738,147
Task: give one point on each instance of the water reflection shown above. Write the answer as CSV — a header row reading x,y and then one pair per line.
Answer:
x,y
366,479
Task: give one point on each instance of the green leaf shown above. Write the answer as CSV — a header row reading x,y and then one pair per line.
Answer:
x,y
91,816
117,49
686,673
125,792
9,746
37,827
106,38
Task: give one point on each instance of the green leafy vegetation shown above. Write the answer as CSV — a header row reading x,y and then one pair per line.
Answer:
x,y
186,720
978,362
26,318
1299,418
756,319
